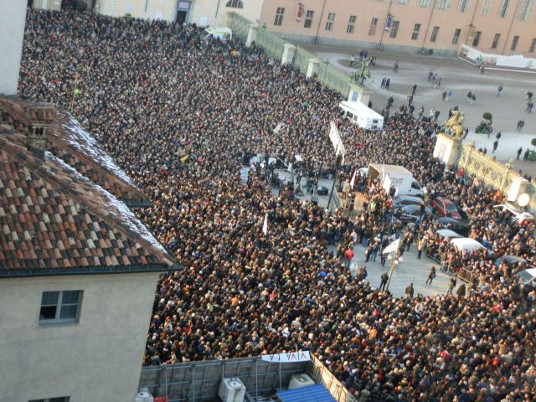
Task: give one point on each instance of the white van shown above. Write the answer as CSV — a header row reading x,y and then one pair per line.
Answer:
x,y
361,115
222,34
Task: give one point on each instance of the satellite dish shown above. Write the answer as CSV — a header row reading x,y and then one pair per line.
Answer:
x,y
523,200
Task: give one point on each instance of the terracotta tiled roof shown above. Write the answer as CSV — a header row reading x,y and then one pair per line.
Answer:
x,y
56,220
70,142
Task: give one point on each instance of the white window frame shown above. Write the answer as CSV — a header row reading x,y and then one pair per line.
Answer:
x,y
329,22
463,6
496,41
486,6
59,304
425,3
435,34
532,47
309,15
373,26
351,24
456,36
279,14
525,10
515,42
443,4
394,29
235,4
416,31
504,8
402,1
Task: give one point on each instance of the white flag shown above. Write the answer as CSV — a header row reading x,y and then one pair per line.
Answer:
x,y
265,226
352,182
391,247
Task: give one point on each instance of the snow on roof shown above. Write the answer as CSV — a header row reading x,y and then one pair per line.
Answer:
x,y
87,144
121,213
386,169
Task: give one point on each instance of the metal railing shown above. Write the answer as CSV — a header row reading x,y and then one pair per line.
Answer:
x,y
272,44
333,78
240,25
301,60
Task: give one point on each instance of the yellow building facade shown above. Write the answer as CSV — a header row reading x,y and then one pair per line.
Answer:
x,y
440,26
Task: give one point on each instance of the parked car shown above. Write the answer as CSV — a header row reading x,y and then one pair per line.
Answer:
x,y
510,260
459,226
411,213
445,207
404,200
323,190
515,214
528,276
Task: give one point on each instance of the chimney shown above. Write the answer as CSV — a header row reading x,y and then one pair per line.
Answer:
x,y
39,118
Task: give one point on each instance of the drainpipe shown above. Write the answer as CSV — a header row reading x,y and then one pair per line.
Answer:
x,y
428,26
511,25
319,22
471,25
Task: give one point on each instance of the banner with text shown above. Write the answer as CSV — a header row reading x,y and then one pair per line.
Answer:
x,y
287,357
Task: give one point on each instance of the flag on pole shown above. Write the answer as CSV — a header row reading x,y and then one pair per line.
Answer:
x,y
265,226
388,22
352,182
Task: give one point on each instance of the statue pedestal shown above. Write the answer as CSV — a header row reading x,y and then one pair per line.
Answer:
x,y
447,149
359,94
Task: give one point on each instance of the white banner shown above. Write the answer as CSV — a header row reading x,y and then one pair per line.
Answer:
x,y
391,247
336,141
287,357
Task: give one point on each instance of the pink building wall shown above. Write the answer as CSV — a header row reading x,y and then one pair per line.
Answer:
x,y
408,15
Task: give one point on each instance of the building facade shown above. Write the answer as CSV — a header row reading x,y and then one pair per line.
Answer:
x,y
78,270
492,26
201,12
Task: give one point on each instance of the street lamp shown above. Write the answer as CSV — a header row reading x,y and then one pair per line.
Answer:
x,y
395,260
338,161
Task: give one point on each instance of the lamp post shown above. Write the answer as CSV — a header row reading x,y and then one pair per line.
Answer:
x,y
395,260
338,161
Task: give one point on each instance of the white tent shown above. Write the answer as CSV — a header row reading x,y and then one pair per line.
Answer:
x,y
466,244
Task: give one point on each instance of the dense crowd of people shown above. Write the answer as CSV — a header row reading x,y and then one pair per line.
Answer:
x,y
181,115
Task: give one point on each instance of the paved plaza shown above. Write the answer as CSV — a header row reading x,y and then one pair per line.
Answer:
x,y
459,77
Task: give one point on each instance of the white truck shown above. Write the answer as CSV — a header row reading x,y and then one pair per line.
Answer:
x,y
395,177
358,113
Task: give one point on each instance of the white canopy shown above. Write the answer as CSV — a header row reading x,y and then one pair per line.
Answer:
x,y
466,243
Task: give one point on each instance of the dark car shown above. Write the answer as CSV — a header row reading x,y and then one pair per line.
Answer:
x,y
322,190
457,225
445,207
411,213
510,260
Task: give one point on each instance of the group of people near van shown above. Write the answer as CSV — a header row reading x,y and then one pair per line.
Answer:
x,y
180,116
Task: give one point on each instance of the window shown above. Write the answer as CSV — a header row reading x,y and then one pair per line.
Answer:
x,y
463,6
351,24
476,39
373,25
235,4
495,42
308,18
60,307
394,29
456,36
402,1
514,42
503,8
525,9
60,399
279,16
329,22
485,7
443,4
433,37
532,46
415,34
425,3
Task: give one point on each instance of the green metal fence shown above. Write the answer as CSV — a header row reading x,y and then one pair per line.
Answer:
x,y
239,25
272,44
301,59
334,79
